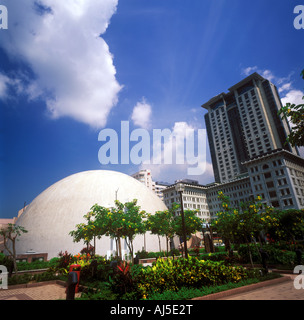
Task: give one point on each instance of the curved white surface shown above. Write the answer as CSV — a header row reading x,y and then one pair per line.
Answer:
x,y
57,210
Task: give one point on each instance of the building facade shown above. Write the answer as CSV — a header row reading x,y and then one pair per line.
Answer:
x,y
194,198
244,124
144,176
249,152
278,178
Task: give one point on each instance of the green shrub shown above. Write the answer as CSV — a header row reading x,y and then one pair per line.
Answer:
x,y
35,265
6,261
216,256
99,291
276,255
189,293
192,272
142,254
27,277
244,253
20,279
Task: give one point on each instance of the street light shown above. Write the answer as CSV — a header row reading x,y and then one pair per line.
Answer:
x,y
180,188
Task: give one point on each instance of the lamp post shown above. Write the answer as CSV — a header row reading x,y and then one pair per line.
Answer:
x,y
180,188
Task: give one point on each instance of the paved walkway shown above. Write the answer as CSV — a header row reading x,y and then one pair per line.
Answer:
x,y
281,291
52,291
43,292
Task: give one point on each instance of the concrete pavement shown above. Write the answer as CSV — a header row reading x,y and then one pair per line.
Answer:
x,y
281,291
48,291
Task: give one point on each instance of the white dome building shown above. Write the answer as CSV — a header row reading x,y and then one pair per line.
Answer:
x,y
58,209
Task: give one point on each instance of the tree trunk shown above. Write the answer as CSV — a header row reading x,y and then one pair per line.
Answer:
x,y
118,247
167,246
12,253
211,240
94,250
159,244
250,255
130,246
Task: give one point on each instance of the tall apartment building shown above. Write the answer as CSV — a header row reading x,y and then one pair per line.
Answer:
x,y
250,156
244,124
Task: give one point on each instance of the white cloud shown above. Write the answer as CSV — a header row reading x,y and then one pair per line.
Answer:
x,y
267,74
285,87
141,115
170,161
247,71
72,65
284,84
293,97
171,173
4,83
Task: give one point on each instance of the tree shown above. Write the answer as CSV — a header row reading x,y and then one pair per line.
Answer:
x,y
294,114
11,234
192,223
89,230
110,221
226,222
292,222
132,223
241,224
162,223
286,225
124,221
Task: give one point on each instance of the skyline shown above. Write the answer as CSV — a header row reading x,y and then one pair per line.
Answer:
x,y
68,71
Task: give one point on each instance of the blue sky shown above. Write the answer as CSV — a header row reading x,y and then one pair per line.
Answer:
x,y
69,69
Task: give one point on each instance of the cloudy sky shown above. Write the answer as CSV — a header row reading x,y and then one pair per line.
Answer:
x,y
69,69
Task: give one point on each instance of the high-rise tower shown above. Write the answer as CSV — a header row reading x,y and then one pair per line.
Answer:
x,y
243,124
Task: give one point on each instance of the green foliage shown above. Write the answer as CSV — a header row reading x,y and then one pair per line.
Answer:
x,y
132,222
295,115
174,274
186,293
122,280
145,255
166,223
10,234
192,223
162,223
100,291
244,224
6,261
216,256
277,256
122,221
27,277
65,259
289,226
35,265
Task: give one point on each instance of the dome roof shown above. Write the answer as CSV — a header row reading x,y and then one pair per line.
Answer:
x,y
58,209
